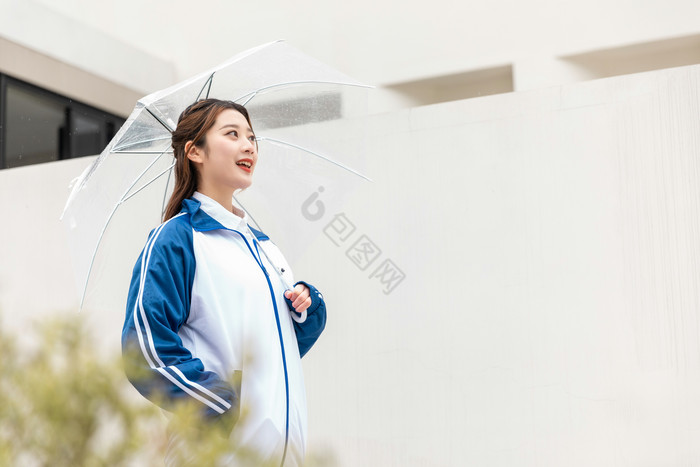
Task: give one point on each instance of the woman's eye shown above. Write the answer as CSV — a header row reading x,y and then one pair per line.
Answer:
x,y
252,139
233,132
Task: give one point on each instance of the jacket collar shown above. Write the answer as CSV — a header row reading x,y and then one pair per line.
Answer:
x,y
202,221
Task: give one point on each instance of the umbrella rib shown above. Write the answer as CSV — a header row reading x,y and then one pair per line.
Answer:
x,y
284,143
167,151
94,254
277,269
252,95
211,78
151,181
109,219
119,148
167,127
208,82
165,192
249,215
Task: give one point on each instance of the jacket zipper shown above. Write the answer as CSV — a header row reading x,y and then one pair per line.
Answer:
x,y
281,339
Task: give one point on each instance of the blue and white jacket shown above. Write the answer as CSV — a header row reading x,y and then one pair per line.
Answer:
x,y
203,304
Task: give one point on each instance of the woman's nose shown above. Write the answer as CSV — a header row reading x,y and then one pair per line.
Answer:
x,y
250,146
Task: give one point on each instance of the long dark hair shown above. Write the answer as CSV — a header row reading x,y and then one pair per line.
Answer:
x,y
192,125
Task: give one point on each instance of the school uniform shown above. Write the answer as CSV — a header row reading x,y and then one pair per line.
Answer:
x,y
204,305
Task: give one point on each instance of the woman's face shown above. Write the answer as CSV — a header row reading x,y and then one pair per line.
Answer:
x,y
228,159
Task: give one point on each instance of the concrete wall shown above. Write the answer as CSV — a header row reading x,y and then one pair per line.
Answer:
x,y
549,314
423,53
76,58
549,310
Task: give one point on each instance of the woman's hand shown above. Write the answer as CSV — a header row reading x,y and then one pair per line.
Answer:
x,y
300,297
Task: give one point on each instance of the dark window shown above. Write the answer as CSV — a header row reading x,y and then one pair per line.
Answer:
x,y
37,125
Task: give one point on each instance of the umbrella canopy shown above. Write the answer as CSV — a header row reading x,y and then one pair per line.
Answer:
x,y
291,98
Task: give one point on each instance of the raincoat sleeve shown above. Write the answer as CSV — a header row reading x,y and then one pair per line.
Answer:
x,y
156,362
309,331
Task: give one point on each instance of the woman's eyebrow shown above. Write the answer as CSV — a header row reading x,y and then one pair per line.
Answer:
x,y
233,125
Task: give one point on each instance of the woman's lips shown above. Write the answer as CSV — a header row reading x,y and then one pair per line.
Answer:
x,y
244,163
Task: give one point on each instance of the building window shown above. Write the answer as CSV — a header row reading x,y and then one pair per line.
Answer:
x,y
37,125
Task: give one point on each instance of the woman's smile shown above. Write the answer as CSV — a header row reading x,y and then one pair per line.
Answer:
x,y
245,164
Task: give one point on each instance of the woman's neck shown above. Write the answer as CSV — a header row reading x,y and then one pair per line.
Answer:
x,y
224,198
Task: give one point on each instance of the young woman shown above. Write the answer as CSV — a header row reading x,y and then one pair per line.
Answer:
x,y
205,303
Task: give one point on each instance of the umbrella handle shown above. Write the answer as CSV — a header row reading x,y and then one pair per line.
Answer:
x,y
298,317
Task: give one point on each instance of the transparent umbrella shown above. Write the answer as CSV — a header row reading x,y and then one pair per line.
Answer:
x,y
295,104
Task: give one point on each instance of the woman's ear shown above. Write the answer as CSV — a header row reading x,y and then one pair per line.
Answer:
x,y
193,153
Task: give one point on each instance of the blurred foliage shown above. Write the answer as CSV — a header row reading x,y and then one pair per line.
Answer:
x,y
62,405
